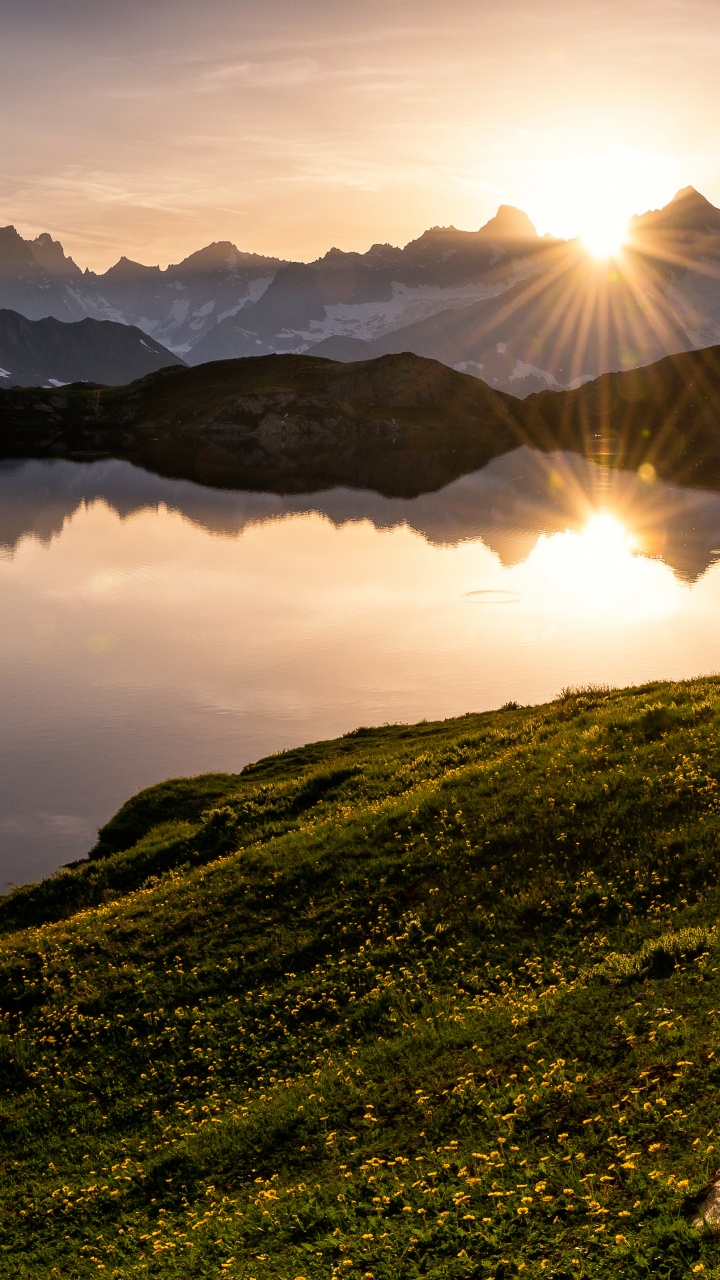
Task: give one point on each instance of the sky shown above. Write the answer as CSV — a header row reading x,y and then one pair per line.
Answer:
x,y
153,127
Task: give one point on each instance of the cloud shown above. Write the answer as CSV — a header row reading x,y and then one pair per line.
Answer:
x,y
288,74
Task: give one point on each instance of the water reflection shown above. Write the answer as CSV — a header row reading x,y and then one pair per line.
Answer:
x,y
153,627
508,505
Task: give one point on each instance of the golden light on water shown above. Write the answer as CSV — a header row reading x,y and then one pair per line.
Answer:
x,y
605,535
600,573
209,628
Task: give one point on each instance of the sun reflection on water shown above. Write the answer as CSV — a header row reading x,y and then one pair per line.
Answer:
x,y
605,535
600,571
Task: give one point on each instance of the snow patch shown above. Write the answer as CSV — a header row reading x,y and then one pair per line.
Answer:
x,y
179,312
98,308
407,305
5,373
232,311
256,288
523,370
694,304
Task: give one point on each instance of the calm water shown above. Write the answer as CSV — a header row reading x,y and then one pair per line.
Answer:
x,y
152,628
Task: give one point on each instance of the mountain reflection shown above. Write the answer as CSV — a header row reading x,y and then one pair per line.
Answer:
x,y
507,505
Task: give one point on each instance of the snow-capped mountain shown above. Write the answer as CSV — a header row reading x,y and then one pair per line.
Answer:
x,y
520,311
50,352
176,306
366,296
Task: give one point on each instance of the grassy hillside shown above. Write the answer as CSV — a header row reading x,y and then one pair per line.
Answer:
x,y
425,1001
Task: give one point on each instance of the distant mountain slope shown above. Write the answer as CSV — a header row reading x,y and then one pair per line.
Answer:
x,y
207,293
576,323
688,213
521,312
365,296
35,353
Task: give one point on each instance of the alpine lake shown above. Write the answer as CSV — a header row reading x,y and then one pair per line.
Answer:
x,y
154,628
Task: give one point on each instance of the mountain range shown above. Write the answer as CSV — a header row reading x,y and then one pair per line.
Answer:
x,y
520,311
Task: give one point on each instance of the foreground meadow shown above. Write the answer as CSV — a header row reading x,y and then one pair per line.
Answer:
x,y
425,1001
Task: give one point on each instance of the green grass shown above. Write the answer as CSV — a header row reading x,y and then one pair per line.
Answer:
x,y
425,1001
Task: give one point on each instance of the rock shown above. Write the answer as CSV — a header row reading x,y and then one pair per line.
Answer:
x,y
271,433
708,1208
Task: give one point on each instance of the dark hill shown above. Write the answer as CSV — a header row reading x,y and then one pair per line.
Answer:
x,y
399,424
37,352
665,415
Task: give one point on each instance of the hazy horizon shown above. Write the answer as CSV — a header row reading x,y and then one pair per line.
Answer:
x,y
291,128
403,244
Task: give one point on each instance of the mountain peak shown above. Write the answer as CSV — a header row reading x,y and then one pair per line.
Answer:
x,y
16,255
688,211
51,255
127,270
335,254
510,223
688,194
222,256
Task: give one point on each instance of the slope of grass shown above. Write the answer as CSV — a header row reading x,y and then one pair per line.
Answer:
x,y
425,1001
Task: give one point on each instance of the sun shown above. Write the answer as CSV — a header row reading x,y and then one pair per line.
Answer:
x,y
606,237
588,189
